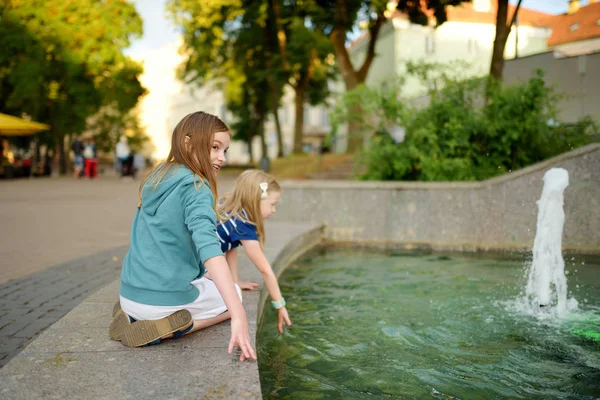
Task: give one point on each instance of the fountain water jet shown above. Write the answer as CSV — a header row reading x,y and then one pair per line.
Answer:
x,y
547,284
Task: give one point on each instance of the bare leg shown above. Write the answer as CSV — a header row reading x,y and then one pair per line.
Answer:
x,y
204,323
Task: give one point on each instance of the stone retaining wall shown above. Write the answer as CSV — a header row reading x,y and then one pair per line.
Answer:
x,y
496,214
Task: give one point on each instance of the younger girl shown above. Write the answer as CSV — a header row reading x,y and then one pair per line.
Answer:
x,y
251,201
163,292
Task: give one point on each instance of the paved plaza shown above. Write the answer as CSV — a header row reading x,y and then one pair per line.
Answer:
x,y
61,240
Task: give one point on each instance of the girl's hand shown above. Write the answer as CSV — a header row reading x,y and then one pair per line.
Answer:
x,y
240,337
248,285
282,319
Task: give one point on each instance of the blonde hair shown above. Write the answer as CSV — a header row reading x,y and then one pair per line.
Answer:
x,y
194,153
246,196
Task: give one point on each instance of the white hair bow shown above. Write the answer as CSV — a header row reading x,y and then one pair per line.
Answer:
x,y
263,186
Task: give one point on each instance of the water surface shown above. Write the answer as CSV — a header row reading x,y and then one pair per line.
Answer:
x,y
369,325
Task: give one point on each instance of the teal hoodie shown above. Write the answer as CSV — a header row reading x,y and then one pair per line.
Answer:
x,y
173,234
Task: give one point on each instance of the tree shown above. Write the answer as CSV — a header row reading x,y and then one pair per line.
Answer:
x,y
306,56
66,61
502,31
266,44
109,124
218,44
338,18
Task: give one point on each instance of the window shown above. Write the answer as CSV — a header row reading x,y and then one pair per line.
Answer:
x,y
574,27
598,22
324,117
306,116
472,46
429,44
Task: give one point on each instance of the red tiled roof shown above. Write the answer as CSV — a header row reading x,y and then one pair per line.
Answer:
x,y
588,18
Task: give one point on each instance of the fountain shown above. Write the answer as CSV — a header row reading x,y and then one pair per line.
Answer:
x,y
436,325
546,291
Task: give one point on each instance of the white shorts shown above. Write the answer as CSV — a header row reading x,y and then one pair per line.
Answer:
x,y
209,304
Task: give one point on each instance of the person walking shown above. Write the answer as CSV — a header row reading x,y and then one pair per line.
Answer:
x,y
77,147
123,153
90,156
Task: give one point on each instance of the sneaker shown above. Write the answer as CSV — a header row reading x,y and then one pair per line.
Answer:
x,y
116,308
143,332
119,322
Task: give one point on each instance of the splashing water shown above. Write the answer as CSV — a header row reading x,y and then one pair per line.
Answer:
x,y
546,291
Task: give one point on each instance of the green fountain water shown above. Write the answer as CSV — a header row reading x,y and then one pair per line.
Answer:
x,y
367,325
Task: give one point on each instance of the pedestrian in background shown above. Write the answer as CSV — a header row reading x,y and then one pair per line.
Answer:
x,y
124,157
90,156
78,162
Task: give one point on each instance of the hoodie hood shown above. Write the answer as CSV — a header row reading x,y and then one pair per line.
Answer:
x,y
154,195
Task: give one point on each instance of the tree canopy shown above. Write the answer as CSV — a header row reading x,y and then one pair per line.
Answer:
x,y
63,60
251,49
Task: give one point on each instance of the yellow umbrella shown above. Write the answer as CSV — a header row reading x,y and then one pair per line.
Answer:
x,y
13,126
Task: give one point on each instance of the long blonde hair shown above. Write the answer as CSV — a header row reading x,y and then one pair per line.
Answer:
x,y
246,196
194,153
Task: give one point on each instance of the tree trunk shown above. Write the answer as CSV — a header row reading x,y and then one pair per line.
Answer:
x,y
274,111
299,121
353,77
279,134
258,116
251,157
338,39
37,155
355,132
261,133
251,133
62,156
49,159
502,32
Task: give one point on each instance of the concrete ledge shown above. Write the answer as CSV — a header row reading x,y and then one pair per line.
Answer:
x,y
75,359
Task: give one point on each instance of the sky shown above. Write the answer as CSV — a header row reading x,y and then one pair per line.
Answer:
x,y
158,31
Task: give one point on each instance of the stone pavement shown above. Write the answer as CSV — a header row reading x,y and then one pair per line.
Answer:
x,y
61,241
30,304
75,359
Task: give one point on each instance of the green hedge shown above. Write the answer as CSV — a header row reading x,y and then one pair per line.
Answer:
x,y
470,130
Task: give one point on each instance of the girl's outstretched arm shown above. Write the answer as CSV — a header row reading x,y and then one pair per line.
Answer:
x,y
232,260
240,336
257,256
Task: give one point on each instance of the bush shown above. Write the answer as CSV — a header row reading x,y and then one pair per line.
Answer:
x,y
469,131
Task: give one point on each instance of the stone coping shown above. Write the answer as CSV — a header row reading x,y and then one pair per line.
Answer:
x,y
405,185
75,359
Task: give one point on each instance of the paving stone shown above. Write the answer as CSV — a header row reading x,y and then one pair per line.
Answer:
x,y
10,344
31,304
20,323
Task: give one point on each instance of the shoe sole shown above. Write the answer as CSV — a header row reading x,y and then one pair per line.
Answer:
x,y
142,332
116,308
119,322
